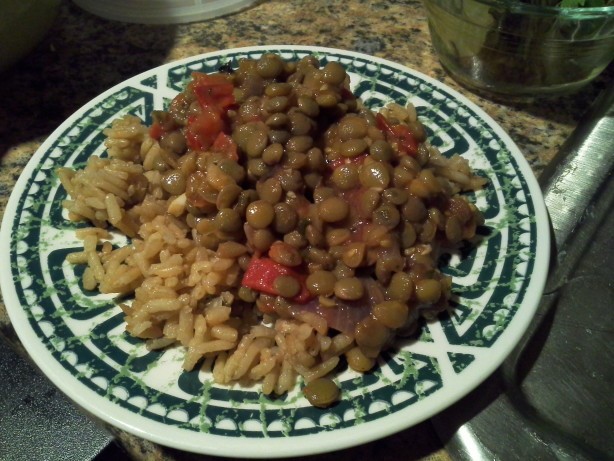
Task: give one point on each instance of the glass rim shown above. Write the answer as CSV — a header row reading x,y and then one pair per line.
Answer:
x,y
516,6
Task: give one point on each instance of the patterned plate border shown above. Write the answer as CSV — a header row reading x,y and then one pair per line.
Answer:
x,y
77,339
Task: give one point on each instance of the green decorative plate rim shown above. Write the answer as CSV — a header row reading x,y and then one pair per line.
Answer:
x,y
77,339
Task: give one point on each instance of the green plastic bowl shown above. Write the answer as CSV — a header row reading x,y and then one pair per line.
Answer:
x,y
23,24
510,48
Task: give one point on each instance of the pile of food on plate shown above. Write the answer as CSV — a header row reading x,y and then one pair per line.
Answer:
x,y
276,225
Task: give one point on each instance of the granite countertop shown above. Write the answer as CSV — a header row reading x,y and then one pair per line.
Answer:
x,y
84,55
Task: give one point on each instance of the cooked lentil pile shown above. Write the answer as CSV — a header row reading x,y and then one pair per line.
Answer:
x,y
292,203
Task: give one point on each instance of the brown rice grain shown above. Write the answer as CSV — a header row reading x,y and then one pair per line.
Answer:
x,y
89,281
106,186
225,332
123,283
325,342
79,209
269,382
170,329
321,369
176,207
96,203
186,325
217,314
95,266
114,212
78,257
286,379
258,331
159,343
66,176
233,361
215,345
340,344
304,359
219,366
317,322
117,256
157,305
268,360
248,358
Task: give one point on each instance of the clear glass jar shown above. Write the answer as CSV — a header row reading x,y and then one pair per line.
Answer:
x,y
510,48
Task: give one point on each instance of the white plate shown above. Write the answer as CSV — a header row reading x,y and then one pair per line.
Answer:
x,y
77,338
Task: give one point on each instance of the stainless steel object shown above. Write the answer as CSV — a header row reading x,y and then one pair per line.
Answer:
x,y
552,398
37,422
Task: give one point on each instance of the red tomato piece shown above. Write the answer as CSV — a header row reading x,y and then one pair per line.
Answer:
x,y
261,273
382,123
156,131
405,140
224,144
203,129
213,90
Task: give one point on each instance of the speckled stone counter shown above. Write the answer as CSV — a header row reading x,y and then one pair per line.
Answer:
x,y
84,55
